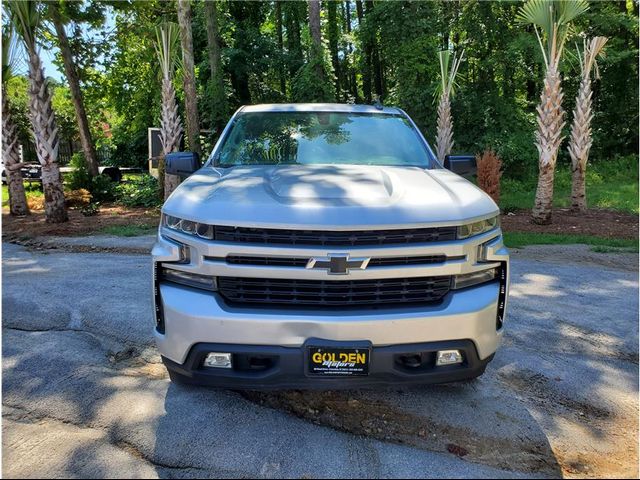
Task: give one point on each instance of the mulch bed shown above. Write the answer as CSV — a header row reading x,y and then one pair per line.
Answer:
x,y
595,222
34,225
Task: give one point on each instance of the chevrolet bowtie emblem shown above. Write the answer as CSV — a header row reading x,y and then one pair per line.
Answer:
x,y
338,263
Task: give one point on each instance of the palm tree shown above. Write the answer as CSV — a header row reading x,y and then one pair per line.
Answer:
x,y
25,18
10,143
580,140
553,18
444,134
170,127
188,74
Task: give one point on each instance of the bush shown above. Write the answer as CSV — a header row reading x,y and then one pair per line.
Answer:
x,y
139,191
489,173
77,198
101,187
79,178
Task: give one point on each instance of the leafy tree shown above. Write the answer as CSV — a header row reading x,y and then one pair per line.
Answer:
x,y
60,14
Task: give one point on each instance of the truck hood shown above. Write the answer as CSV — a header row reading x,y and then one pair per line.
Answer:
x,y
328,196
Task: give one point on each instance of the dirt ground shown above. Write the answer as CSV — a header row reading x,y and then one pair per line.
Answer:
x,y
596,222
34,225
85,394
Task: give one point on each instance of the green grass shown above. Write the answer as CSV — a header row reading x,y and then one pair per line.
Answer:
x,y
31,189
600,244
128,230
612,185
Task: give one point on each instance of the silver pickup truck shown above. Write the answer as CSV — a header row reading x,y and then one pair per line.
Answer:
x,y
324,246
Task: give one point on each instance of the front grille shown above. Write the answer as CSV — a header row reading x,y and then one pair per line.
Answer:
x,y
333,238
324,293
302,261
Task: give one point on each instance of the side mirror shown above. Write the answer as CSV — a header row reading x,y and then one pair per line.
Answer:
x,y
182,164
463,165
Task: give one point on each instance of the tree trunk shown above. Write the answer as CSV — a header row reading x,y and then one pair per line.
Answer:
x,y
365,58
190,94
283,81
170,134
215,62
88,147
578,189
11,157
292,14
444,136
46,140
548,140
376,65
332,34
316,35
541,213
352,71
213,39
580,144
314,22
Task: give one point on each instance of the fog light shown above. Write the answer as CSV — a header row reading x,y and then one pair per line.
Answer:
x,y
218,360
448,357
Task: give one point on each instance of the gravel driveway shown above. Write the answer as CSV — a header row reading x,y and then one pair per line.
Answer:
x,y
84,394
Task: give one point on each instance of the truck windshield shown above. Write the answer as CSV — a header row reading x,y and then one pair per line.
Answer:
x,y
307,138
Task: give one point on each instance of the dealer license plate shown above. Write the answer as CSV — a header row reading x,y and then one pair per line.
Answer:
x,y
323,361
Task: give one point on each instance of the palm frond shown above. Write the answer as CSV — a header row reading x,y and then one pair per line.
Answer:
x,y
167,47
553,18
10,52
448,73
25,17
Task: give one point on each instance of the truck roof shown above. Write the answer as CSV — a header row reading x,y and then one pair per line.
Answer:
x,y
317,107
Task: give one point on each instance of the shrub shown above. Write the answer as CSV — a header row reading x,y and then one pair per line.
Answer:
x,y
489,173
77,198
90,210
139,191
79,178
102,189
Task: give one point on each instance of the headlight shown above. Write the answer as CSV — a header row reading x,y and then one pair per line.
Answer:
x,y
195,280
201,230
476,228
476,278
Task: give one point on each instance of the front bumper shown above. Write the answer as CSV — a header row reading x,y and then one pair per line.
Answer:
x,y
194,320
193,316
283,367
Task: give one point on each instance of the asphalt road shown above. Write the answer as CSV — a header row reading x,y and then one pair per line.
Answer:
x,y
85,396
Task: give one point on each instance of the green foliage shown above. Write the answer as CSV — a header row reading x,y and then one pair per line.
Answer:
x,y
522,239
128,230
139,191
307,87
612,185
102,189
498,84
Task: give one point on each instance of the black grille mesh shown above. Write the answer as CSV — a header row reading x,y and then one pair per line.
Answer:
x,y
270,291
302,261
333,238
